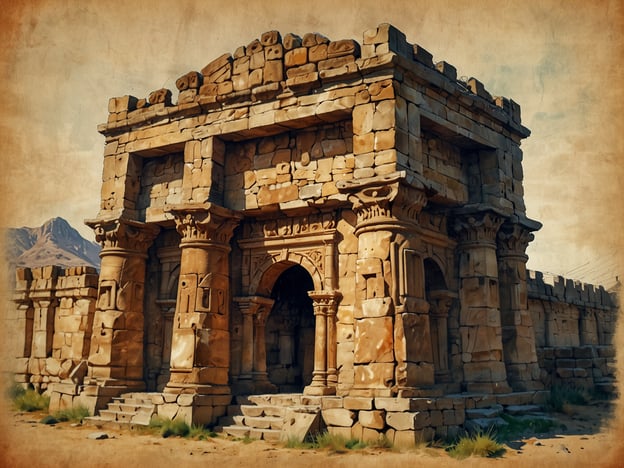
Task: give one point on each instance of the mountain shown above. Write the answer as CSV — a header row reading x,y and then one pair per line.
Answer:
x,y
53,243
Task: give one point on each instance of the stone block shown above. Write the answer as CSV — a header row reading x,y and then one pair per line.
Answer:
x,y
357,403
372,419
374,375
296,57
373,340
338,417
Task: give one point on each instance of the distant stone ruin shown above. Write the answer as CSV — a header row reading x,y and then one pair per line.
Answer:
x,y
332,231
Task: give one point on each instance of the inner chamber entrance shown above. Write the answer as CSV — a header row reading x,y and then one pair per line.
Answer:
x,y
290,332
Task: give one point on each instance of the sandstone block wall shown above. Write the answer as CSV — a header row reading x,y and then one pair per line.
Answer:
x,y
574,325
390,108
53,320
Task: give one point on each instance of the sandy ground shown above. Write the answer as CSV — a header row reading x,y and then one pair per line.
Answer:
x,y
591,438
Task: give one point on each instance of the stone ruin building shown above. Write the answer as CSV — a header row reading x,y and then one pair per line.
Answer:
x,y
325,230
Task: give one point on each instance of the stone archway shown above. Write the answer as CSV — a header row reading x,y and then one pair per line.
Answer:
x,y
289,331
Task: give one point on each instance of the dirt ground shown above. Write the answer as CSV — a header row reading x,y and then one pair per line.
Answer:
x,y
593,436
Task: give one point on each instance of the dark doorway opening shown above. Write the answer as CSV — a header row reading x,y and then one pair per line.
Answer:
x,y
290,332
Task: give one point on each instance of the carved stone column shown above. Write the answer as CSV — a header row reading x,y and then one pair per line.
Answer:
x,y
200,353
255,310
520,356
167,307
480,321
324,377
169,258
388,314
116,354
259,374
440,303
24,314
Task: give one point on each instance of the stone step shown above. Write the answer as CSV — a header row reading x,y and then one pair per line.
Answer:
x,y
272,435
108,415
484,424
263,410
484,413
237,431
253,410
129,408
264,422
522,409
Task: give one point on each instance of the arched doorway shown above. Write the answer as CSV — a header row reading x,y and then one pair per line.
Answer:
x,y
290,331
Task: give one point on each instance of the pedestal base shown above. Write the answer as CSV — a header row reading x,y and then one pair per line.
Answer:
x,y
319,391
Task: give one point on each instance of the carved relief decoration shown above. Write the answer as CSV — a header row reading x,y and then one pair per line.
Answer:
x,y
312,259
288,227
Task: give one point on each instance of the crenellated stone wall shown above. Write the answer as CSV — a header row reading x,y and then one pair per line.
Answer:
x,y
574,325
53,321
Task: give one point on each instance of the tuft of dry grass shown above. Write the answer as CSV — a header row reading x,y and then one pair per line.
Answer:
x,y
480,444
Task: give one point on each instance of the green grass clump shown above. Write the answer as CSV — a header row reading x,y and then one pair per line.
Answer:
x,y
31,400
562,395
179,428
200,432
174,427
519,427
15,390
480,444
75,414
334,443
49,419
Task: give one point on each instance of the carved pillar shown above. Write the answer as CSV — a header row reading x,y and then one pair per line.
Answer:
x,y
253,375
169,258
116,354
523,370
480,320
167,307
260,376
324,377
390,352
440,303
24,323
200,354
43,295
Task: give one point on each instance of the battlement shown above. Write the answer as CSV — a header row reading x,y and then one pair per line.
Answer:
x,y
276,68
556,288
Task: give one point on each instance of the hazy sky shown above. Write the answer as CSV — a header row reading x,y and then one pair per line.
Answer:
x,y
561,60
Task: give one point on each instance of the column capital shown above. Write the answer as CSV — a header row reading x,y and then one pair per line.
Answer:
x,y
325,302
440,302
513,240
123,234
254,305
478,227
384,199
205,223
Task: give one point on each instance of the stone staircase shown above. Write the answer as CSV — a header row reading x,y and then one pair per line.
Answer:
x,y
483,419
272,417
126,410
